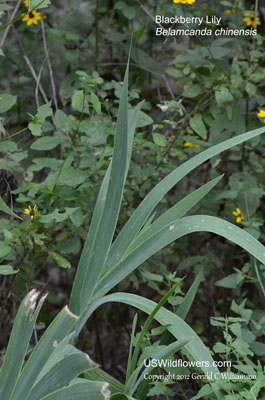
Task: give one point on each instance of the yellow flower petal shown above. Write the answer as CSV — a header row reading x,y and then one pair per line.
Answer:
x,y
261,114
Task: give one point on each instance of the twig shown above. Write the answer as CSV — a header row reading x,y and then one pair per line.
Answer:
x,y
149,14
168,87
8,26
49,64
38,84
33,72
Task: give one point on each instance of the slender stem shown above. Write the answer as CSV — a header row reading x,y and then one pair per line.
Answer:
x,y
255,26
9,26
97,35
49,64
13,134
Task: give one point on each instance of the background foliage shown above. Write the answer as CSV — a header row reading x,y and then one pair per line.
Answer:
x,y
59,95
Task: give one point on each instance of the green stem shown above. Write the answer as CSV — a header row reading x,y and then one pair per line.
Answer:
x,y
255,27
13,134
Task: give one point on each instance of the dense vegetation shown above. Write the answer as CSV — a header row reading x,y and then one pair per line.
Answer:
x,y
102,168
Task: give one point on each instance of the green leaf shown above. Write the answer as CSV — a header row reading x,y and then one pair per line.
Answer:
x,y
143,211
175,212
7,270
60,260
81,391
45,143
177,327
61,373
97,244
77,98
173,231
223,96
129,12
192,91
44,3
231,281
54,216
72,177
1,52
96,103
6,209
198,126
7,101
61,120
35,128
4,249
44,111
46,348
160,140
18,343
8,146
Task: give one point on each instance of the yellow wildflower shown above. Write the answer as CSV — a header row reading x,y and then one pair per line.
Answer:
x,y
31,212
184,1
26,3
1,98
189,144
261,114
250,20
33,17
239,215
230,10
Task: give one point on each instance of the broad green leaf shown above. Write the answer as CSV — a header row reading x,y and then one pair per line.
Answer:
x,y
8,146
61,120
198,126
45,143
63,262
160,140
1,52
44,111
223,96
230,281
39,3
77,99
18,343
96,103
72,177
7,270
129,12
7,101
54,216
4,249
143,211
35,128
6,209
